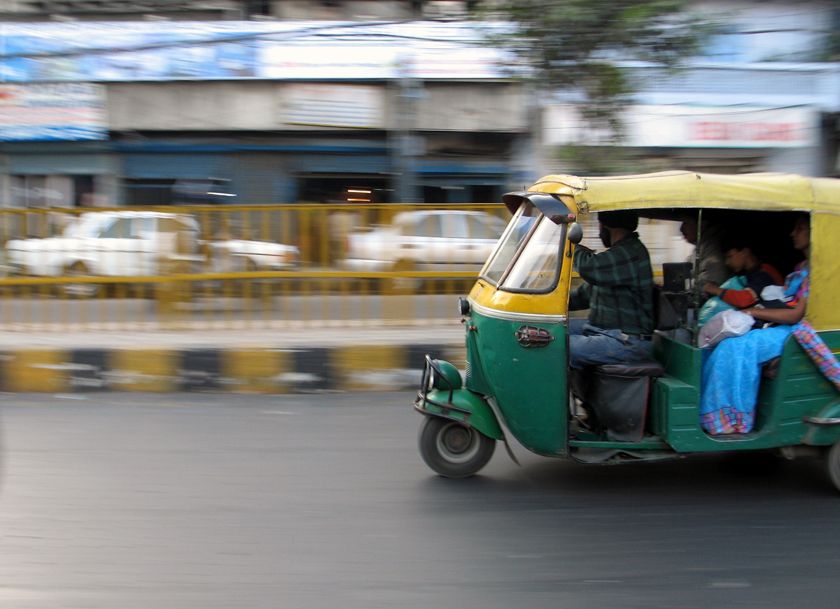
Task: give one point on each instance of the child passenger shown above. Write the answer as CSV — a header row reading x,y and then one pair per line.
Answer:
x,y
742,260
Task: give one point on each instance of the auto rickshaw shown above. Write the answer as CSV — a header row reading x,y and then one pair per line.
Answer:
x,y
517,380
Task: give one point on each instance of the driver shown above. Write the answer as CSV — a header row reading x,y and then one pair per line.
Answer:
x,y
618,291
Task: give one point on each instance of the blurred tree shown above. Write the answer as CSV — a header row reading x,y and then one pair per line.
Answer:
x,y
602,160
576,47
830,48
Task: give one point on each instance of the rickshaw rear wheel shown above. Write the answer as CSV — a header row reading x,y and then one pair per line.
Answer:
x,y
832,464
453,450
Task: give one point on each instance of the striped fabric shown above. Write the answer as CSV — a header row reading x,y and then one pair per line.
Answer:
x,y
818,351
619,286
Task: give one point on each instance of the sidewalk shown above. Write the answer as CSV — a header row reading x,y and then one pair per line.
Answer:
x,y
301,359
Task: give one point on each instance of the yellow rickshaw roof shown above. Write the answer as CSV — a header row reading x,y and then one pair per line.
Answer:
x,y
670,189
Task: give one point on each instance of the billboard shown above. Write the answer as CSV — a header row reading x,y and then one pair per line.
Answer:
x,y
685,126
333,105
55,111
154,51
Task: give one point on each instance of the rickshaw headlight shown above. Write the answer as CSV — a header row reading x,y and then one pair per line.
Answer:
x,y
463,306
445,376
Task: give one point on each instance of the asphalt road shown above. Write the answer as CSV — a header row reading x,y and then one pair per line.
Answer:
x,y
321,501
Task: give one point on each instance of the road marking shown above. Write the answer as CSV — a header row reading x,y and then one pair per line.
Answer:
x,y
525,556
730,584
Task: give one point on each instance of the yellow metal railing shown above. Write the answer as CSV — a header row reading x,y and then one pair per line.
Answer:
x,y
201,268
204,276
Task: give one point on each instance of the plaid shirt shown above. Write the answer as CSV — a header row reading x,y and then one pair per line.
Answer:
x,y
619,286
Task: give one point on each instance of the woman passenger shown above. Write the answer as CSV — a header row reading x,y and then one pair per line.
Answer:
x,y
732,373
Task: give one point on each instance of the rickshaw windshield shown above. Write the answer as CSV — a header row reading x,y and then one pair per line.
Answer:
x,y
514,235
537,268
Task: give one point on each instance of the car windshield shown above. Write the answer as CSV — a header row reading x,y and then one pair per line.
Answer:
x,y
538,266
87,225
507,247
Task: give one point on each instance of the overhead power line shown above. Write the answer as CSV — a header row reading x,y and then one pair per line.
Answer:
x,y
320,32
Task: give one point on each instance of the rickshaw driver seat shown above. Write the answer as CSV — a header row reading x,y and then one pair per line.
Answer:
x,y
617,396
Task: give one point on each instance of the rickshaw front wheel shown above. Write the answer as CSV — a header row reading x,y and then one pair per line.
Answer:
x,y
453,450
832,464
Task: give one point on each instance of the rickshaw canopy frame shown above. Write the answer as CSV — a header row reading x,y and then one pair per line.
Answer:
x,y
767,192
669,189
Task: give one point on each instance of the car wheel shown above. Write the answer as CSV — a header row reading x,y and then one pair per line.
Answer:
x,y
403,285
453,450
249,287
80,290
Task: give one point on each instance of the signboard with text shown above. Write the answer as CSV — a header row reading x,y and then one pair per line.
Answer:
x,y
125,52
333,105
695,127
57,111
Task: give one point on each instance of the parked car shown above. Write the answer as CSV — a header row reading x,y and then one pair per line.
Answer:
x,y
237,255
110,243
425,240
138,243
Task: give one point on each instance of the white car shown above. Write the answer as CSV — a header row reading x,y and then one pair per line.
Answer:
x,y
426,240
237,255
140,243
109,243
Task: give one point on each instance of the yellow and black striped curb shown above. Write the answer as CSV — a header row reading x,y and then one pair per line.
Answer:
x,y
254,370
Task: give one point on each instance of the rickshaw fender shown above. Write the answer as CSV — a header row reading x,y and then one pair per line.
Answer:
x,y
464,406
823,428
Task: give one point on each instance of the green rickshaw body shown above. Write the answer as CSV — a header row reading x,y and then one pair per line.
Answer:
x,y
528,384
795,391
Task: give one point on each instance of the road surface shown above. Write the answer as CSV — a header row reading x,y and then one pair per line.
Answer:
x,y
322,502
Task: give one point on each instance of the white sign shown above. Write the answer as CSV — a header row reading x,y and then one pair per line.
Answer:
x,y
695,127
333,105
285,61
105,52
461,62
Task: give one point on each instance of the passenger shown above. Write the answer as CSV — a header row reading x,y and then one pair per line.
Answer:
x,y
732,373
618,293
708,251
743,262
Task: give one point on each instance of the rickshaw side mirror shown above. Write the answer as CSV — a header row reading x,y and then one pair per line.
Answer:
x,y
575,234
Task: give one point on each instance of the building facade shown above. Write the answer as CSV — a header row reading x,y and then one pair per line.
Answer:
x,y
273,102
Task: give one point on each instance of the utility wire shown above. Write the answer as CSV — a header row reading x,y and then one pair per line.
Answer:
x,y
318,32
